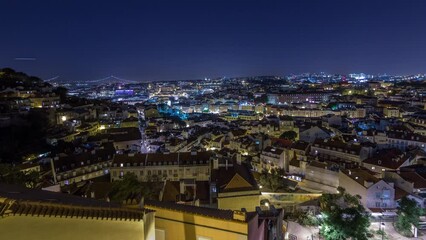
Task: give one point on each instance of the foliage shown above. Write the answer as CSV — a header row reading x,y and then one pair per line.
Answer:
x,y
343,217
382,234
26,131
62,93
408,214
262,99
272,180
308,219
12,175
9,78
130,188
291,135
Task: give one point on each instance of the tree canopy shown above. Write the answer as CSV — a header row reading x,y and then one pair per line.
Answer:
x,y
130,188
290,135
262,99
11,78
12,175
408,214
343,217
272,180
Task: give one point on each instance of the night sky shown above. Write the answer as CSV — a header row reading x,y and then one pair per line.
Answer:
x,y
163,40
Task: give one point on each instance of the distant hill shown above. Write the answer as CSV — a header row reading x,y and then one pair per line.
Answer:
x,y
9,78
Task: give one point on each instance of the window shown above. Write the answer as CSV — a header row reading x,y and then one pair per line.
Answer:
x,y
141,173
386,194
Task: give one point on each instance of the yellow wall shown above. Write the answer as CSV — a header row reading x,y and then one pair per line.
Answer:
x,y
187,226
236,203
33,227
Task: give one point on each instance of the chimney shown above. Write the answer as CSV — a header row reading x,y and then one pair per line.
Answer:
x,y
226,164
182,187
215,163
92,194
239,158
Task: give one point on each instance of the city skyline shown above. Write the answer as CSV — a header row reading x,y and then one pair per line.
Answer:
x,y
192,40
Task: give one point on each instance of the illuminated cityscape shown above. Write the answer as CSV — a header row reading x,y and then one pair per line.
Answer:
x,y
206,131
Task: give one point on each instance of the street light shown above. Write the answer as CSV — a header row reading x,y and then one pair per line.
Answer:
x,y
382,225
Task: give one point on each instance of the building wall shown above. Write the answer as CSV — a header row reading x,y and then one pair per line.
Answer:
x,y
269,158
321,179
371,197
32,227
170,172
175,225
353,187
248,200
375,195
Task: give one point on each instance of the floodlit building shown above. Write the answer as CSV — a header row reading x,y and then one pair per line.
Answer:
x,y
37,214
374,192
180,221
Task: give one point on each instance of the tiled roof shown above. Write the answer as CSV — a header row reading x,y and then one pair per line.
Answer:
x,y
389,158
337,145
300,145
20,201
413,177
103,154
273,150
223,175
25,194
118,135
40,209
360,176
404,135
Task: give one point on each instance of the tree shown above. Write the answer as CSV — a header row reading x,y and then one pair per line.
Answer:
x,y
62,93
12,175
343,217
408,214
307,219
262,99
126,188
130,188
272,180
290,135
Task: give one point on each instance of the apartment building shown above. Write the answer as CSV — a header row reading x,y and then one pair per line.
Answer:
x,y
84,165
374,192
339,151
163,166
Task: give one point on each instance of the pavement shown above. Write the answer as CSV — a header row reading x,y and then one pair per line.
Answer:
x,y
391,233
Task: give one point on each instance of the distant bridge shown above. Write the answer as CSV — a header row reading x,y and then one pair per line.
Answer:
x,y
107,79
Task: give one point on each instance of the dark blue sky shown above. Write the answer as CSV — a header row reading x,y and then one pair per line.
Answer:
x,y
154,40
